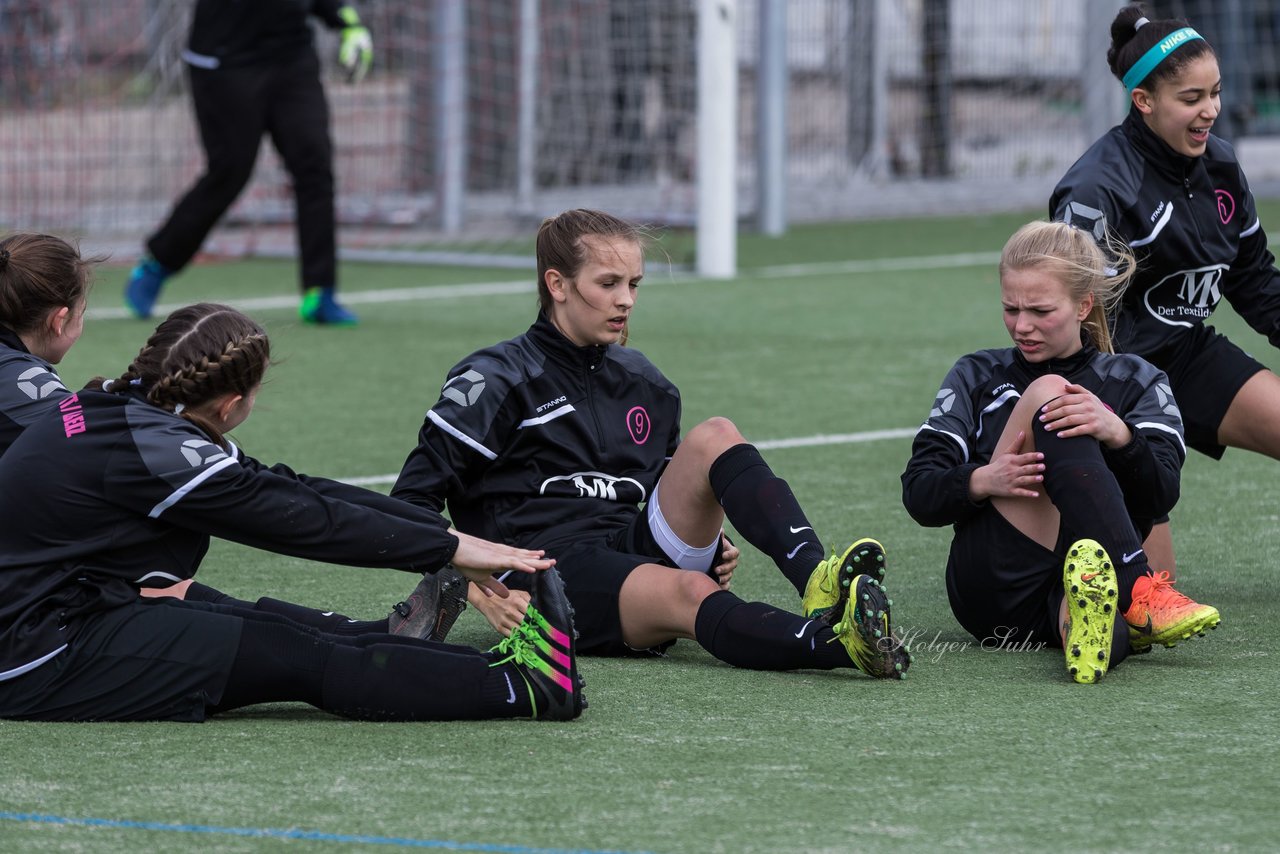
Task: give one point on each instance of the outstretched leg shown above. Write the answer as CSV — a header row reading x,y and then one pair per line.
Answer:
x,y
387,677
325,621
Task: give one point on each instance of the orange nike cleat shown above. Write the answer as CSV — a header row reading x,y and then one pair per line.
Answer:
x,y
1162,615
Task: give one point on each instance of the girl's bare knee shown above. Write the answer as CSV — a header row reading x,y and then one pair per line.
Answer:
x,y
692,587
1043,389
716,434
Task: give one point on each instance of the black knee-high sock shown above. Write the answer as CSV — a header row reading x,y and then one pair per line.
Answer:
x,y
367,678
761,637
406,682
197,592
325,621
1120,645
1090,503
761,506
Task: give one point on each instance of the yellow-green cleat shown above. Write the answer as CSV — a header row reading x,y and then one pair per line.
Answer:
x,y
830,582
865,631
1089,585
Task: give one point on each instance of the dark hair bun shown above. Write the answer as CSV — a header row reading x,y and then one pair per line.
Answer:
x,y
1122,32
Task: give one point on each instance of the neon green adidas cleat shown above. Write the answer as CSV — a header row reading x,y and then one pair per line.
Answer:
x,y
1089,585
831,580
550,674
864,630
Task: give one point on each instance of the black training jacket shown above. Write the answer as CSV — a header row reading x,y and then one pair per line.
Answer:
x,y
28,386
106,493
537,432
975,402
231,33
1193,225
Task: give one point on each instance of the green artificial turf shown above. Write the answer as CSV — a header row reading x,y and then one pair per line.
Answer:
x,y
991,749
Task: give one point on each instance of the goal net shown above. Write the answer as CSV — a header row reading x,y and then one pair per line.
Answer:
x,y
481,117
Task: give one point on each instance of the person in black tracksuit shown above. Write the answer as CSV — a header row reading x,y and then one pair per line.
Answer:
x,y
1031,451
44,284
112,486
554,439
1176,194
254,70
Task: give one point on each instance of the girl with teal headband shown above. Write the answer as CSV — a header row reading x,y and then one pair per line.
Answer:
x,y
1163,183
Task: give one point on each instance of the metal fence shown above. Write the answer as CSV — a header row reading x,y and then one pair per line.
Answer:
x,y
481,117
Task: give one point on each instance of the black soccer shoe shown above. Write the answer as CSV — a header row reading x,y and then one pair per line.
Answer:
x,y
432,608
535,650
551,612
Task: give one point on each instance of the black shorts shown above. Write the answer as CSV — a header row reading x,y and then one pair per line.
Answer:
x,y
1002,584
150,660
594,568
1206,372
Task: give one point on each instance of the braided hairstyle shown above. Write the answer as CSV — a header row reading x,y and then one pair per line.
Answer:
x,y
197,354
1129,42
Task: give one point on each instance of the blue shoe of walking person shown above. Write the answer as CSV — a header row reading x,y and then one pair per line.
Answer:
x,y
320,306
143,288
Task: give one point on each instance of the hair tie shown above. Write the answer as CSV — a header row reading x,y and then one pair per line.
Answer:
x,y
136,381
177,410
4,258
1140,23
106,386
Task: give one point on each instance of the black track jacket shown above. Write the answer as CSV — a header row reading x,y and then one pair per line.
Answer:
x,y
106,493
1192,223
536,432
29,386
234,33
979,394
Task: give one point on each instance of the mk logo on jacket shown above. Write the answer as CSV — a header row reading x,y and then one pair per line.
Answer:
x,y
594,484
1185,297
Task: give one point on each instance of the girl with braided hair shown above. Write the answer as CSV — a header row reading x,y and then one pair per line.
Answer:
x,y
44,283
133,475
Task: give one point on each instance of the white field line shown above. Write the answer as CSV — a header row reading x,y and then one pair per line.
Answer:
x,y
479,289
770,445
526,285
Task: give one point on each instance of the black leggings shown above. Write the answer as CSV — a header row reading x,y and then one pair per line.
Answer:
x,y
369,677
235,108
